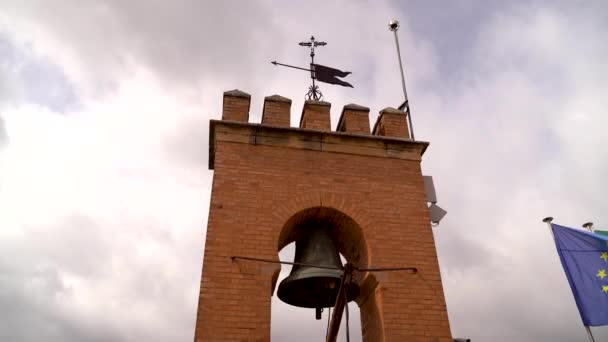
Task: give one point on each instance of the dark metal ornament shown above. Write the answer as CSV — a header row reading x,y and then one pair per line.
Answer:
x,y
312,287
313,91
318,72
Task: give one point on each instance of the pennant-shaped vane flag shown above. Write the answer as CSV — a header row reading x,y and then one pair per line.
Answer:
x,y
584,256
330,75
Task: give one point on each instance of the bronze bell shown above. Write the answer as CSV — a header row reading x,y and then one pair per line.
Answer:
x,y
312,287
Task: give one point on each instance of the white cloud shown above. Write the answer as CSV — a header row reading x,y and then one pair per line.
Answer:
x,y
526,143
104,204
91,199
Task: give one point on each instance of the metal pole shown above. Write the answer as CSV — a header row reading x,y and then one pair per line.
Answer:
x,y
400,66
589,227
394,26
233,258
548,221
589,334
312,58
334,326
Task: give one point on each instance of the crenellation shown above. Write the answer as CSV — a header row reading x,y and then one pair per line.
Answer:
x,y
315,115
276,111
392,123
354,118
236,106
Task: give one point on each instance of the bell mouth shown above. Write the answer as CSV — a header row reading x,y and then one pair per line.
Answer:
x,y
317,292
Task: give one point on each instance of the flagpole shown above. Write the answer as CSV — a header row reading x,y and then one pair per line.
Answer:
x,y
589,227
393,25
548,221
589,334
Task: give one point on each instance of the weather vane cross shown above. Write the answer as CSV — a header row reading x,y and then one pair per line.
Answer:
x,y
319,72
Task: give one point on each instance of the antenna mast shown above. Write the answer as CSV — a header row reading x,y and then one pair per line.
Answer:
x,y
393,25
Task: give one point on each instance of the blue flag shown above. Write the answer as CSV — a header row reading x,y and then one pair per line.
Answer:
x,y
584,256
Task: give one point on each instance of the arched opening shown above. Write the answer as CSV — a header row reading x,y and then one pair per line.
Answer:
x,y
350,242
347,233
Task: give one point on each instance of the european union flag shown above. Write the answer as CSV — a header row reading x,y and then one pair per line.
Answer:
x,y
584,256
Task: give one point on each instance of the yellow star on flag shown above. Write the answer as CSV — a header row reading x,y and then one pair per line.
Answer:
x,y
604,256
601,274
605,288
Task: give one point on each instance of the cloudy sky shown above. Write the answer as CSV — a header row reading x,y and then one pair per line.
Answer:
x,y
104,186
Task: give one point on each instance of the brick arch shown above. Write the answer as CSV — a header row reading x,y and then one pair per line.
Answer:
x,y
349,223
349,220
347,234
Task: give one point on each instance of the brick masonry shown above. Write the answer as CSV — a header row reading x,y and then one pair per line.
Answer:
x,y
315,115
276,111
269,178
354,119
391,122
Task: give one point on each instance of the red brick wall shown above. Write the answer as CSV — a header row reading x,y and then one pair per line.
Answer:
x,y
276,111
391,122
354,119
315,115
236,106
264,183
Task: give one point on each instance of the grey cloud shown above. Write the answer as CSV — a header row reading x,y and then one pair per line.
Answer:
x,y
32,293
25,77
3,133
183,42
189,143
41,298
502,162
77,244
514,119
28,320
464,253
46,85
10,83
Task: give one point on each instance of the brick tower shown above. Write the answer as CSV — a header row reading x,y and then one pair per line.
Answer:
x,y
270,178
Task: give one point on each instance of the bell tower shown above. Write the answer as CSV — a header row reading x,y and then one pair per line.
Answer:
x,y
357,191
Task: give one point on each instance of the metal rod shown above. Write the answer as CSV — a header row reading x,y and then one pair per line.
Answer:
x,y
347,319
313,92
409,112
290,66
328,318
286,262
312,59
589,227
589,334
548,221
334,326
341,301
381,269
413,269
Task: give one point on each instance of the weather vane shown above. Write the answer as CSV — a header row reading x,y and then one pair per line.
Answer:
x,y
319,72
